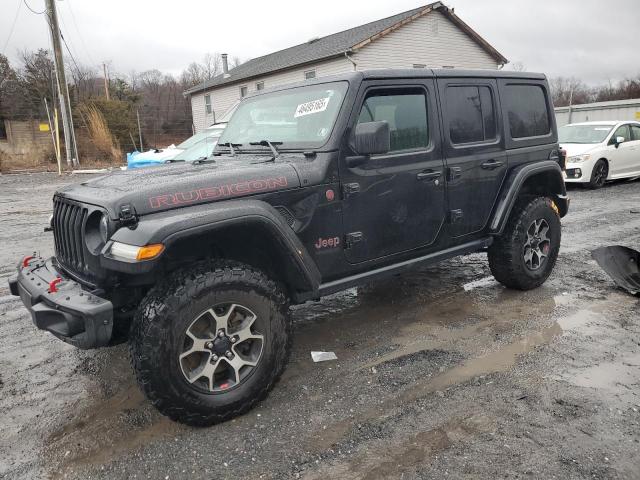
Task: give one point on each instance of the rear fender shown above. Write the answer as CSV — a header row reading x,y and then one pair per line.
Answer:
x,y
540,178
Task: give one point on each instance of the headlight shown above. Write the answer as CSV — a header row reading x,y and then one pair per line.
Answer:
x,y
133,253
104,228
578,158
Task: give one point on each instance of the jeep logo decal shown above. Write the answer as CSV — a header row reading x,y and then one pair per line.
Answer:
x,y
327,243
231,190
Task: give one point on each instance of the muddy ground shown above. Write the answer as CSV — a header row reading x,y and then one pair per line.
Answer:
x,y
441,373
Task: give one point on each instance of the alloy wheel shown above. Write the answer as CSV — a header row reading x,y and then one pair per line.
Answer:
x,y
537,245
221,347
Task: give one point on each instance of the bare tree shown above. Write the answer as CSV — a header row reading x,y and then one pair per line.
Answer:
x,y
569,91
211,65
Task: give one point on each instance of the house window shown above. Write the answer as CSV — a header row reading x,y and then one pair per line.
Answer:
x,y
419,65
243,91
309,74
260,86
207,104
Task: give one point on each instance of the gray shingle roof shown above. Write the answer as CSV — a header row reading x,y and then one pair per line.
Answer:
x,y
312,51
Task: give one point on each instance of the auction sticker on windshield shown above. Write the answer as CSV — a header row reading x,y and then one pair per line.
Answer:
x,y
314,106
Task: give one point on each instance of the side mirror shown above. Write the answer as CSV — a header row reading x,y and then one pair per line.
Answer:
x,y
372,138
618,141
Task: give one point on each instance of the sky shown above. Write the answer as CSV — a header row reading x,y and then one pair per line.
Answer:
x,y
593,40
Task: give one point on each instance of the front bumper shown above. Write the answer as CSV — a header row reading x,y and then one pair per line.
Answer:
x,y
72,314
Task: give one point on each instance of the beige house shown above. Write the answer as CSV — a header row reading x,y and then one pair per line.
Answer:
x,y
431,36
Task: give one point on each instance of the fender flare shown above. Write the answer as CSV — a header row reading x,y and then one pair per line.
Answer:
x,y
514,184
174,225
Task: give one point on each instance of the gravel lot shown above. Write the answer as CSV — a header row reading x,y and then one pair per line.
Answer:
x,y
440,373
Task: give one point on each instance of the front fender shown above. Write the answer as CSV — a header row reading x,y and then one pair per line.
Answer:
x,y
178,224
551,184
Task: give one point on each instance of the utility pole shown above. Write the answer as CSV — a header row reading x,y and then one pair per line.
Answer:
x,y
106,80
63,92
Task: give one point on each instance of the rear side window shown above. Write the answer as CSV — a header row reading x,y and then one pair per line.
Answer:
x,y
635,132
471,114
527,110
406,113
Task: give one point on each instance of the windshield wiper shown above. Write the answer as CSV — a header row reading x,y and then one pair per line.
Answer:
x,y
267,143
231,145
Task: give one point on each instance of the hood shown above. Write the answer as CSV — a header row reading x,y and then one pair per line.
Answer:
x,y
574,149
150,190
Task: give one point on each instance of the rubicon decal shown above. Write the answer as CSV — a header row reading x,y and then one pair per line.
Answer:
x,y
221,191
327,243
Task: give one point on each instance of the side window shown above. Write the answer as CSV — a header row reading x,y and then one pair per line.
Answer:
x,y
406,113
635,132
471,114
527,111
621,131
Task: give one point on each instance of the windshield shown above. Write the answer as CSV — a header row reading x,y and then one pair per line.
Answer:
x,y
583,133
198,137
300,117
201,150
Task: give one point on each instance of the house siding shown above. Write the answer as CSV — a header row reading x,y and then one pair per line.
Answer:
x,y
223,98
432,40
200,118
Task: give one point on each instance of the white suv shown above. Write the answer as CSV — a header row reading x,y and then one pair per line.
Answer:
x,y
601,151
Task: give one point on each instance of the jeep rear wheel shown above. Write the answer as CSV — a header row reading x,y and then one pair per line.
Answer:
x,y
210,342
524,255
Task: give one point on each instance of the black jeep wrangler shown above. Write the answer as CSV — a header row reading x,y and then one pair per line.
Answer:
x,y
313,188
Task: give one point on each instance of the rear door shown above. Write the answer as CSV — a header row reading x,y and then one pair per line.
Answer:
x,y
474,150
395,202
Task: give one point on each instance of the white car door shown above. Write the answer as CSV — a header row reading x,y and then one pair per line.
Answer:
x,y
620,157
634,148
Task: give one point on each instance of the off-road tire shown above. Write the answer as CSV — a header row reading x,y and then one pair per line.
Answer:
x,y
158,329
597,179
506,254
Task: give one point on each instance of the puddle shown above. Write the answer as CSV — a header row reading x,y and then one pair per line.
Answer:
x,y
404,457
499,360
619,377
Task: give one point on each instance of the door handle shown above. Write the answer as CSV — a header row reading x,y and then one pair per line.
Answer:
x,y
491,164
428,175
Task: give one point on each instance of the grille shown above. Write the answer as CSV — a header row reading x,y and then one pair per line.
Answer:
x,y
68,225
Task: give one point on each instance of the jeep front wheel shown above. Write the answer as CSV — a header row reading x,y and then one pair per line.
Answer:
x,y
524,255
210,342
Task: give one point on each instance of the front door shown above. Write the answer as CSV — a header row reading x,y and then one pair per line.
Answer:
x,y
395,202
474,149
621,157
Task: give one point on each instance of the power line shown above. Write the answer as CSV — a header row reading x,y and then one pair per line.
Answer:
x,y
27,5
6,44
75,24
68,50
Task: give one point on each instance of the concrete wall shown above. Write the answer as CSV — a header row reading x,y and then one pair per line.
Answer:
x,y
431,40
25,146
590,112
